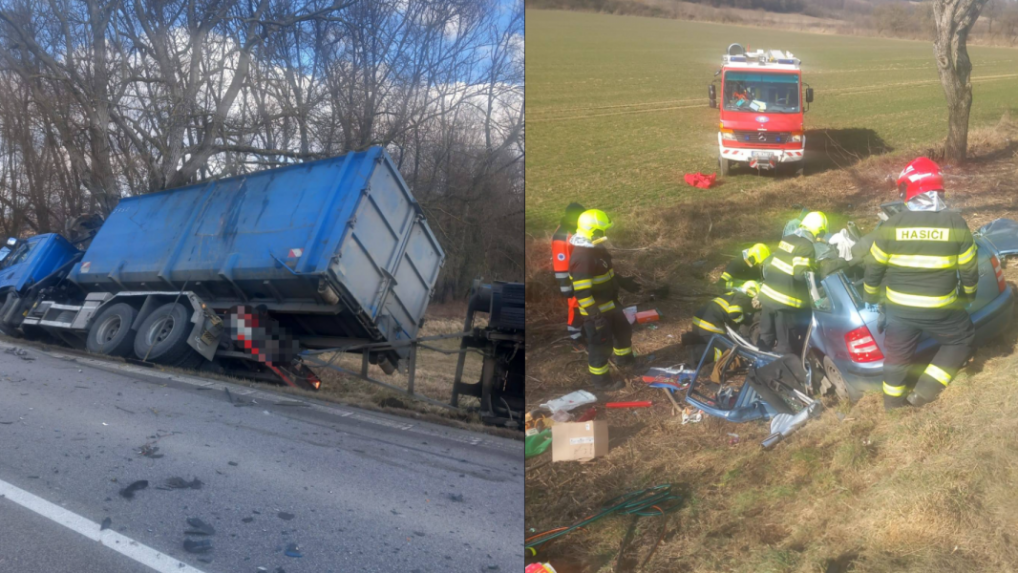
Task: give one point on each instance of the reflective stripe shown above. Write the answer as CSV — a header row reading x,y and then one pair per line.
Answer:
x,y
574,329
707,326
800,262
576,335
585,302
718,354
970,289
598,371
726,276
938,374
871,289
582,284
923,261
601,279
967,255
623,351
610,305
561,275
920,301
894,391
787,247
778,297
879,253
782,266
566,288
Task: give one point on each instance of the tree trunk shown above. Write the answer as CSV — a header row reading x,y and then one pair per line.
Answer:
x,y
954,20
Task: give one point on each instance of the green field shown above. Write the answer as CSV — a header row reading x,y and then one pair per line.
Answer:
x,y
617,105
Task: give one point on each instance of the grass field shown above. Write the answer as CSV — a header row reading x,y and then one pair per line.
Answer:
x,y
617,106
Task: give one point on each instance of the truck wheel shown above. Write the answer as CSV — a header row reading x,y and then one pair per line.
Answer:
x,y
10,300
110,334
162,337
724,166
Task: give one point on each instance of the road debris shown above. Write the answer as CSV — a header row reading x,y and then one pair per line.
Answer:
x,y
232,463
247,519
293,551
124,409
149,451
197,546
457,497
181,483
199,527
22,354
105,524
128,492
285,516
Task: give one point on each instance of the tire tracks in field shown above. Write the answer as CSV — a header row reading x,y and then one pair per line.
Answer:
x,y
552,116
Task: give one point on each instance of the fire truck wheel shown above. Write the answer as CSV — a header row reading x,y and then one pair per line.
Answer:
x,y
724,166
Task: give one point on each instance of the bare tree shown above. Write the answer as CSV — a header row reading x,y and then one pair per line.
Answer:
x,y
954,19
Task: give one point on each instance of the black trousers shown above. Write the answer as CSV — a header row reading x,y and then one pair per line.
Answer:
x,y
616,338
782,328
954,331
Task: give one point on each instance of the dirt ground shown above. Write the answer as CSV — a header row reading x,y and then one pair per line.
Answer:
x,y
749,510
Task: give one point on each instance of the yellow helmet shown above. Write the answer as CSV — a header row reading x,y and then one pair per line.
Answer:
x,y
750,288
592,225
815,222
756,254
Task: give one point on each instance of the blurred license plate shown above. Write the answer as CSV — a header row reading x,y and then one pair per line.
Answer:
x,y
762,155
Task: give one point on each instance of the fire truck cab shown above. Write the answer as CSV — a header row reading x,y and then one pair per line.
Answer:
x,y
762,108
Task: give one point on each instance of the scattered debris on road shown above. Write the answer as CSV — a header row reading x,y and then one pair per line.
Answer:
x,y
105,524
128,492
181,483
293,551
285,516
197,546
22,354
149,451
199,527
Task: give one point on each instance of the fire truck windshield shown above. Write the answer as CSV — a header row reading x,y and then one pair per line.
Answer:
x,y
767,92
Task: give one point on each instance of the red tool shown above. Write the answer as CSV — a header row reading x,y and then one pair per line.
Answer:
x,y
648,316
588,415
642,404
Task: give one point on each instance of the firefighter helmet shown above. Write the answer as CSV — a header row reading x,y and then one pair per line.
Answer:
x,y
750,288
756,255
920,176
815,222
592,225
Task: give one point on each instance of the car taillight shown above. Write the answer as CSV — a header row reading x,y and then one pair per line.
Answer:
x,y
861,346
1001,283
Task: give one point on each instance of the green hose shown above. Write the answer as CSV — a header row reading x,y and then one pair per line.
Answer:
x,y
658,500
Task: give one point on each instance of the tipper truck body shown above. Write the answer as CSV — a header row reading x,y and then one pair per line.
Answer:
x,y
250,269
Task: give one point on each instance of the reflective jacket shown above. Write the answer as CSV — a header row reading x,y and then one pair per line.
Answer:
x,y
561,250
592,276
729,308
785,273
737,272
917,257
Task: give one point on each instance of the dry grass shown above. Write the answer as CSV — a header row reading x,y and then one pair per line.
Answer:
x,y
857,489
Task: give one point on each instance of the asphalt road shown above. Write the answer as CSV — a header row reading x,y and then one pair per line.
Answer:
x,y
355,490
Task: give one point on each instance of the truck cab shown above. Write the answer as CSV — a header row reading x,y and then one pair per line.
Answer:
x,y
762,104
31,260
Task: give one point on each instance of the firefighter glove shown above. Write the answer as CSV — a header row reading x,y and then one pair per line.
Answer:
x,y
628,283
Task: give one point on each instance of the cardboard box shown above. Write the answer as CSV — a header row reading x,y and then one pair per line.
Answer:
x,y
579,441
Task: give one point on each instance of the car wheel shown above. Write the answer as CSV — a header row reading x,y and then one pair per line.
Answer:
x,y
110,334
162,337
833,380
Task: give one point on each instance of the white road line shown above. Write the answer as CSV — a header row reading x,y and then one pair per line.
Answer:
x,y
120,543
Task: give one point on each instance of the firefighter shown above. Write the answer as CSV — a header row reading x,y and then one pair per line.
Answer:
x,y
732,309
596,288
784,294
560,251
748,267
918,256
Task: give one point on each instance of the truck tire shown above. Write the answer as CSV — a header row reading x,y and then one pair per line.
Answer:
x,y
9,299
162,337
110,334
724,166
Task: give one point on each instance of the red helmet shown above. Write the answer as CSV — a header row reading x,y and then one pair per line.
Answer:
x,y
920,176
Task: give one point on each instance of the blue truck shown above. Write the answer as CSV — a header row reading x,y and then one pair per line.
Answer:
x,y
245,273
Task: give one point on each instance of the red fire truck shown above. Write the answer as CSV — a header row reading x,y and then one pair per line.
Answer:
x,y
761,110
